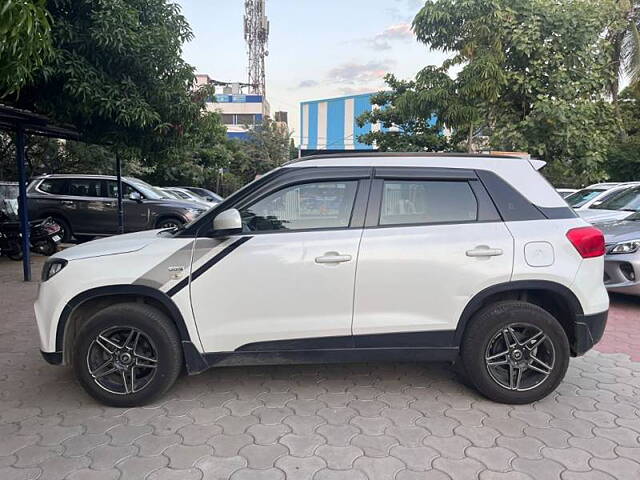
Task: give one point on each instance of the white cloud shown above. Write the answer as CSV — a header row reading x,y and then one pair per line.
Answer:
x,y
308,83
382,41
358,73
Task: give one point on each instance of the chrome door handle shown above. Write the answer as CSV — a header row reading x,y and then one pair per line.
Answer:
x,y
333,257
484,251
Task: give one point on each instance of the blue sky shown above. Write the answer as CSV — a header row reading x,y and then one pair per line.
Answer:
x,y
317,49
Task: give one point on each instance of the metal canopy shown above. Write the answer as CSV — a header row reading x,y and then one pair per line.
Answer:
x,y
23,122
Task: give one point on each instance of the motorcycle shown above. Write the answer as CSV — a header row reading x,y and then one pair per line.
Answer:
x,y
45,235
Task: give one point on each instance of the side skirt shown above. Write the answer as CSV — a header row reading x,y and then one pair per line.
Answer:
x,y
395,347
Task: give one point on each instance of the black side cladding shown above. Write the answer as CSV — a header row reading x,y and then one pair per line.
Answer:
x,y
207,265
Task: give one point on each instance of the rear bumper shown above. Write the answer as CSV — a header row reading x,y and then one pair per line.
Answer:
x,y
588,331
53,358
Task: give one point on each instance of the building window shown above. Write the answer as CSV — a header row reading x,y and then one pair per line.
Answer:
x,y
227,119
245,119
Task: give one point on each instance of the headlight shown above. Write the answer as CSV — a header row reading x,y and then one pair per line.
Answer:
x,y
631,246
194,212
52,267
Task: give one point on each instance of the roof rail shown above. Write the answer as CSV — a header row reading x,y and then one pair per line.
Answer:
x,y
401,154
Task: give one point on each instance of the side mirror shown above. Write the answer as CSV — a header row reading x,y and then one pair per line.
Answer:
x,y
135,196
228,222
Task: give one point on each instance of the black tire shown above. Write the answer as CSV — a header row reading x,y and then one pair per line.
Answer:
x,y
48,248
65,229
170,222
485,341
159,337
15,255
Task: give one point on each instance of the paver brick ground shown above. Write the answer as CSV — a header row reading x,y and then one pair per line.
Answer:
x,y
358,421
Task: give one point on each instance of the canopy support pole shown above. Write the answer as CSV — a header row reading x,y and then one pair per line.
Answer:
x,y
23,210
119,179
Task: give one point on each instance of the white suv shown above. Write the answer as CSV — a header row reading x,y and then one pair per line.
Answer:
x,y
402,257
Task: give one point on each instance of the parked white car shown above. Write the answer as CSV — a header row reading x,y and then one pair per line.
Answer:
x,y
585,197
374,257
624,202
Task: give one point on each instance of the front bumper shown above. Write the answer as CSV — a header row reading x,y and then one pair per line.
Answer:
x,y
622,273
588,331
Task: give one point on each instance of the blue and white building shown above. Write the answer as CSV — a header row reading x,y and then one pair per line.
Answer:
x,y
240,112
330,124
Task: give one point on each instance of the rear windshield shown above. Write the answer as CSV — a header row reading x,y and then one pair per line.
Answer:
x,y
579,198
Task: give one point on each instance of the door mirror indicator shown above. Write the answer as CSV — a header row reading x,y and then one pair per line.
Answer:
x,y
228,222
135,196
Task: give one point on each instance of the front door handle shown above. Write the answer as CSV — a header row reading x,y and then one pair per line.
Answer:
x,y
333,257
484,251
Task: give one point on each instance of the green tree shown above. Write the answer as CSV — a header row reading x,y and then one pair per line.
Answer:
x,y
411,128
25,42
266,148
625,41
533,76
623,158
117,74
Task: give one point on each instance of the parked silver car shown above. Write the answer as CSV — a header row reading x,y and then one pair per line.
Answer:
x,y
622,260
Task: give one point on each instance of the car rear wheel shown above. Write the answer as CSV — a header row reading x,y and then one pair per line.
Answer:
x,y
65,232
127,355
515,352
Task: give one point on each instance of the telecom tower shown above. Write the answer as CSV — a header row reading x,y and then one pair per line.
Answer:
x,y
256,34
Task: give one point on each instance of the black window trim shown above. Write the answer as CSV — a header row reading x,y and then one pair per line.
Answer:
x,y
486,210
298,176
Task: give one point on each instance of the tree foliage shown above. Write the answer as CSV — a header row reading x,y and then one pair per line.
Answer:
x,y
623,159
532,75
117,74
414,132
623,35
25,42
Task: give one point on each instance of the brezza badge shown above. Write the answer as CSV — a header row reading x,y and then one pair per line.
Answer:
x,y
176,271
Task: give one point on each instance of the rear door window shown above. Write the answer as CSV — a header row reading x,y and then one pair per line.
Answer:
x,y
86,188
406,202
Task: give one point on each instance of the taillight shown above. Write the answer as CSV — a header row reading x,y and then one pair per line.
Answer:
x,y
588,241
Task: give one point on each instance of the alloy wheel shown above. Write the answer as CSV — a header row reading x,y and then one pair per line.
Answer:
x,y
122,360
520,357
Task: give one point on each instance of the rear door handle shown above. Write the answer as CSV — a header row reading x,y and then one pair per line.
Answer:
x,y
484,251
333,257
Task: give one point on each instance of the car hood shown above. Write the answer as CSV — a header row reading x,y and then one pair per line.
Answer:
x,y
175,203
594,215
620,231
127,243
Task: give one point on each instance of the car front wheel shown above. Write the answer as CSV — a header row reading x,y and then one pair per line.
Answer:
x,y
127,355
515,352
170,223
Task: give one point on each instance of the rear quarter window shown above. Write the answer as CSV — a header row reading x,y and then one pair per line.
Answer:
x,y
53,186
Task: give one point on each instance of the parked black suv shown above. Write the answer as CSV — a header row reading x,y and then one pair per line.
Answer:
x,y
86,205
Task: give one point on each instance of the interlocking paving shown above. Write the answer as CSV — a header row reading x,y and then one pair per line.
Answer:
x,y
399,421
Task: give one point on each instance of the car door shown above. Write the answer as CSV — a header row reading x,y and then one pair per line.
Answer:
x,y
432,240
92,210
137,213
289,277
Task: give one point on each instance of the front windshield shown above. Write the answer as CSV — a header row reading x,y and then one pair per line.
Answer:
x,y
627,200
579,198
